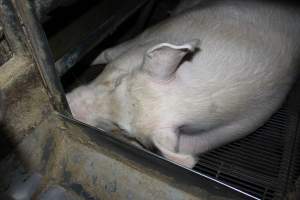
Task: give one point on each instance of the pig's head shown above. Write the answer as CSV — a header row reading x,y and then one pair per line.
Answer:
x,y
121,95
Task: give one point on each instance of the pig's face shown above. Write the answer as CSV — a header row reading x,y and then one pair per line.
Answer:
x,y
101,103
122,95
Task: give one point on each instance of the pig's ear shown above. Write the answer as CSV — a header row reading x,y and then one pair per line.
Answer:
x,y
162,60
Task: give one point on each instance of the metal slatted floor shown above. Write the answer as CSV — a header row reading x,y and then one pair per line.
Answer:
x,y
264,164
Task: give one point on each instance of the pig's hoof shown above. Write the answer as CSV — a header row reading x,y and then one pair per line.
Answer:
x,y
186,160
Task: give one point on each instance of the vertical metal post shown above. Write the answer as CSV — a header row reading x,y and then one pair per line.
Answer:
x,y
12,28
42,55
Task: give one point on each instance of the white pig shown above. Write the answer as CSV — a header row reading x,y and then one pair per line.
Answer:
x,y
198,80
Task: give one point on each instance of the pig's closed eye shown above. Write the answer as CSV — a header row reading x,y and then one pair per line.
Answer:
x,y
111,84
107,83
118,81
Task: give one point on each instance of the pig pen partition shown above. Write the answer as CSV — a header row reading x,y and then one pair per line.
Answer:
x,y
66,159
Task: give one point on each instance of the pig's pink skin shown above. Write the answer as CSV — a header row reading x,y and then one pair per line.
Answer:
x,y
241,72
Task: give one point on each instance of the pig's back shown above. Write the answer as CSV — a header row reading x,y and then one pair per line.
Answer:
x,y
211,17
232,33
242,42
224,28
245,66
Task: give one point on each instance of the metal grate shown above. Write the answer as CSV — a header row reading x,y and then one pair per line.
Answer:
x,y
265,164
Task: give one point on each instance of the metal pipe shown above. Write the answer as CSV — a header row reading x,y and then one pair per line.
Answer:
x,y
12,28
196,182
74,55
68,60
42,54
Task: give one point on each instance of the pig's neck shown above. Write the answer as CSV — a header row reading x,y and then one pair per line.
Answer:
x,y
123,107
144,109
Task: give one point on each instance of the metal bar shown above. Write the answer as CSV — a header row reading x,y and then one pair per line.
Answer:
x,y
12,28
42,55
144,16
77,31
5,51
142,19
94,38
159,165
73,56
291,139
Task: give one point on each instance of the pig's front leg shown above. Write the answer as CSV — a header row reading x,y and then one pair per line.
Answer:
x,y
167,140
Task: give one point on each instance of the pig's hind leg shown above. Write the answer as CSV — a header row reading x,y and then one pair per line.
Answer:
x,y
216,137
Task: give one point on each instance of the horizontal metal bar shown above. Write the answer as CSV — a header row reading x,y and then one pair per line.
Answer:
x,y
179,174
